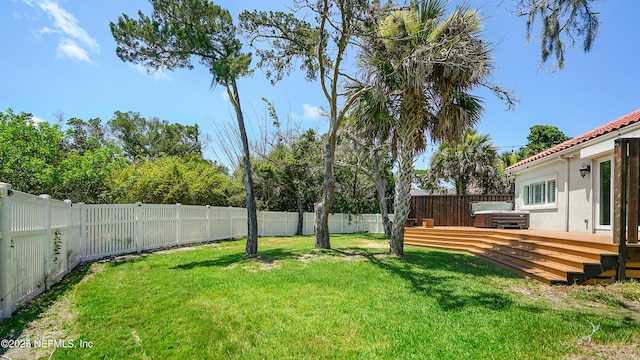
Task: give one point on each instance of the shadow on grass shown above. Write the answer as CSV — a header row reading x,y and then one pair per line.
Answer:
x,y
447,277
12,327
444,276
265,256
427,274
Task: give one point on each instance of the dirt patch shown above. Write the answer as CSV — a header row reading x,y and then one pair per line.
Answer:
x,y
309,257
584,297
53,328
121,258
265,264
609,352
175,250
614,296
370,244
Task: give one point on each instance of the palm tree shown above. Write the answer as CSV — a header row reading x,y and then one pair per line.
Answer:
x,y
423,65
471,162
508,158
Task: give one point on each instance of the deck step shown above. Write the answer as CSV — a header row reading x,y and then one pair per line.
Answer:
x,y
531,273
555,255
546,258
533,262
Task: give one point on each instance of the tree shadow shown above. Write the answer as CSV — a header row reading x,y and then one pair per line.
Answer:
x,y
437,275
265,256
12,328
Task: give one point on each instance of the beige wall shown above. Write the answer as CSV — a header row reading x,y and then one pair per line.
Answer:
x,y
580,197
547,217
573,209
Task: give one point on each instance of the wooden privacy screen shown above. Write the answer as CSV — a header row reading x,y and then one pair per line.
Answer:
x,y
626,198
449,210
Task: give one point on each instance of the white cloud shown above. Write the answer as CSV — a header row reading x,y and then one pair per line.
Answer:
x,y
310,112
68,48
67,23
75,43
225,96
36,119
155,75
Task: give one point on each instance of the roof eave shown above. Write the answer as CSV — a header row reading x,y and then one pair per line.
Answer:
x,y
542,161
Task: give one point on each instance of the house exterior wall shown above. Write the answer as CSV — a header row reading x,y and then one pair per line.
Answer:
x,y
550,216
572,210
581,205
580,197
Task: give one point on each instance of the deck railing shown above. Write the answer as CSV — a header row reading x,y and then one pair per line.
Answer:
x,y
42,239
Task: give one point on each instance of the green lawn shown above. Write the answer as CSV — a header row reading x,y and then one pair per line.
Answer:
x,y
352,302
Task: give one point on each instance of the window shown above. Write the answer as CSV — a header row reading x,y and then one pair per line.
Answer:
x,y
551,191
539,193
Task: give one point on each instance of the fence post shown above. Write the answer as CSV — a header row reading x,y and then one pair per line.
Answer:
x,y
47,235
230,222
260,216
179,222
83,232
68,203
286,215
137,212
261,223
208,227
5,249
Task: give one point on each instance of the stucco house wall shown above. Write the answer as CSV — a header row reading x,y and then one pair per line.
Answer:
x,y
543,216
577,200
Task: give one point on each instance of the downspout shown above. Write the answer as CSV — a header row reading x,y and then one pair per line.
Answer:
x,y
567,186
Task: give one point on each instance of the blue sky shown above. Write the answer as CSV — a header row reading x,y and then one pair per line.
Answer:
x,y
59,57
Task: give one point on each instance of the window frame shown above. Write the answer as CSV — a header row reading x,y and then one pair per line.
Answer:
x,y
540,193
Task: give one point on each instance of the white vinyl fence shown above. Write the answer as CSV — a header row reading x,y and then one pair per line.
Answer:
x,y
43,239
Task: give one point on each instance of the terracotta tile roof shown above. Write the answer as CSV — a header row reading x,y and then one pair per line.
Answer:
x,y
607,128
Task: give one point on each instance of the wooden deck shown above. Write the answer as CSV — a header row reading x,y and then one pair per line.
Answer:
x,y
546,256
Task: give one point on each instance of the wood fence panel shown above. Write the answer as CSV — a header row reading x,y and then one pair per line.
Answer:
x,y
449,210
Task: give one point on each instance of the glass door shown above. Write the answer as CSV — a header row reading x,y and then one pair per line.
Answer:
x,y
605,194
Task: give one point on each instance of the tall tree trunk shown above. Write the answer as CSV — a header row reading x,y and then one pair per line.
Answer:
x,y
406,146
300,213
252,212
323,209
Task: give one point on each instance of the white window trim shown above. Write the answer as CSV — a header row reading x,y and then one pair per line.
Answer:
x,y
546,205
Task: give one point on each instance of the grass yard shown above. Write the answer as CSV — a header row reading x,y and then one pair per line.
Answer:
x,y
352,302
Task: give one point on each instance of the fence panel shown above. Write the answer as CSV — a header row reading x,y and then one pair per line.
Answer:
x,y
74,237
335,223
270,223
239,223
449,210
371,223
309,226
194,224
158,226
59,224
349,223
30,248
109,230
42,236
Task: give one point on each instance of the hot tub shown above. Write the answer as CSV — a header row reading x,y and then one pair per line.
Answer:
x,y
498,214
